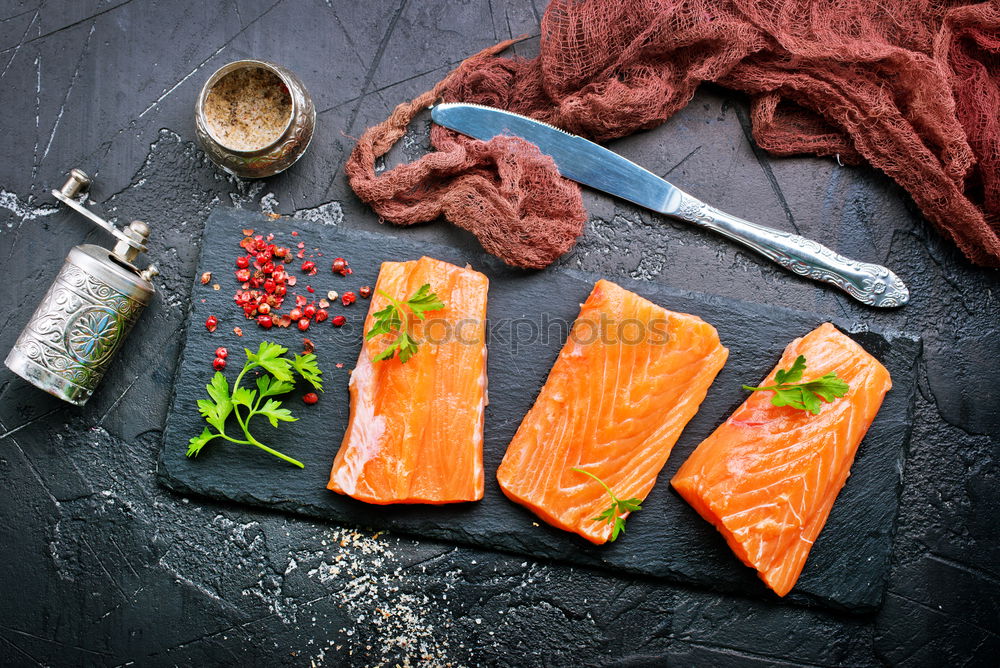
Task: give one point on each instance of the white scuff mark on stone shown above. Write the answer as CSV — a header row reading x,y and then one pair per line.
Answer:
x,y
69,89
23,211
168,91
330,213
38,106
21,42
269,203
191,583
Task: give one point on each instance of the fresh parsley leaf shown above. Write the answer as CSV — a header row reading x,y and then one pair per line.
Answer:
x,y
387,353
218,389
268,387
407,347
215,413
306,367
804,396
390,320
386,322
273,412
276,380
613,514
619,527
244,397
424,300
198,442
793,374
269,357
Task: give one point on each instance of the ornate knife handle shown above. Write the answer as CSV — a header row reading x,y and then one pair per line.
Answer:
x,y
870,284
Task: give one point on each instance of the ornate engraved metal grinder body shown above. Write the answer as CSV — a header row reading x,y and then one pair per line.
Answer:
x,y
85,316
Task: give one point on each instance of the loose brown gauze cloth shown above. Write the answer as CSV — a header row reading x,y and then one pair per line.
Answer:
x,y
911,86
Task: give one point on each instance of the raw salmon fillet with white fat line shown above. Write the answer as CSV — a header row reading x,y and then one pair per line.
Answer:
x,y
415,433
614,405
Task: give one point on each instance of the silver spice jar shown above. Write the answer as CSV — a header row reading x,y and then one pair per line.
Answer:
x,y
86,314
274,157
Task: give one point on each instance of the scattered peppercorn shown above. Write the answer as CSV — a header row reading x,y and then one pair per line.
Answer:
x,y
339,266
221,352
265,321
348,298
310,398
206,277
321,315
365,291
303,324
339,320
309,311
211,323
219,363
308,266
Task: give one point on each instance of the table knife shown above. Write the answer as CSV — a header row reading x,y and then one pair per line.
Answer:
x,y
593,165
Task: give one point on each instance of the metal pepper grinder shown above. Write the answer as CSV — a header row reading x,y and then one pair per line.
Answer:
x,y
85,316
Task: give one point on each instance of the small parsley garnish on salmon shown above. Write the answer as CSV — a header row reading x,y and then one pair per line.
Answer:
x,y
613,514
807,396
390,320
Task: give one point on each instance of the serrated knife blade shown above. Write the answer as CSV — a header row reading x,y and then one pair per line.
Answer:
x,y
593,165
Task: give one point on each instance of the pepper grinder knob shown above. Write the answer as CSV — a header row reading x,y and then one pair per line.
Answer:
x,y
149,272
77,183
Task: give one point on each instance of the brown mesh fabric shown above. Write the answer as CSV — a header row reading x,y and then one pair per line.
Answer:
x,y
911,86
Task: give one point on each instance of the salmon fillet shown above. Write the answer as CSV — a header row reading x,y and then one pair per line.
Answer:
x,y
768,476
629,378
415,433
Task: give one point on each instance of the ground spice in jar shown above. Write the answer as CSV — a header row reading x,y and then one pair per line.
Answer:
x,y
248,108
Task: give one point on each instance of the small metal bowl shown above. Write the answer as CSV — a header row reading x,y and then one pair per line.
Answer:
x,y
275,157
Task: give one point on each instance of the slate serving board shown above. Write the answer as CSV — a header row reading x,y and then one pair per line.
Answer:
x,y
667,539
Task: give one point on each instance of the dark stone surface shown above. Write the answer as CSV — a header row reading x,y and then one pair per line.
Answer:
x,y
529,316
102,566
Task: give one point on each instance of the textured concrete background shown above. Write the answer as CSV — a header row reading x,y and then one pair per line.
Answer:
x,y
100,566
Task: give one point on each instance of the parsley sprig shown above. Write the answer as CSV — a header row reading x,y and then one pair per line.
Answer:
x,y
244,403
613,514
807,396
391,319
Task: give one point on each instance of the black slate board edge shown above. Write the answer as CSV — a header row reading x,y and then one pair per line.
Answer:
x,y
860,603
296,509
